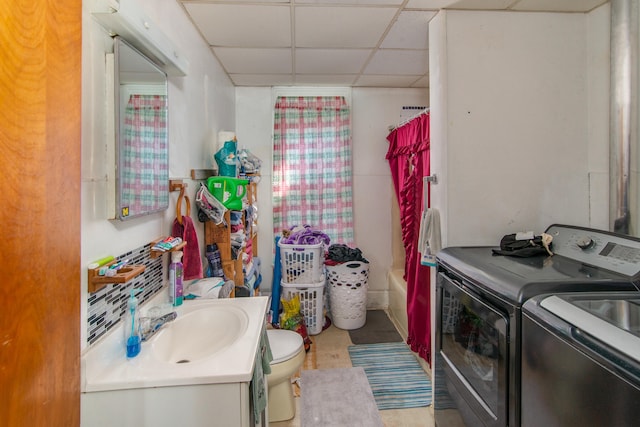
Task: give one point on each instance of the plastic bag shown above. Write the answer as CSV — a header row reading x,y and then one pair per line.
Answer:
x,y
293,320
210,207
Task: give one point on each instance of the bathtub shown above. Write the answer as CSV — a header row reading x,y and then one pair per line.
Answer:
x,y
398,301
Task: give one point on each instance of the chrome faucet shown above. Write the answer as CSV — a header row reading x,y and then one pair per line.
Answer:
x,y
150,325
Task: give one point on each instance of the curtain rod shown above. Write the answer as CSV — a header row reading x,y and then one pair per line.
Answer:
x,y
404,122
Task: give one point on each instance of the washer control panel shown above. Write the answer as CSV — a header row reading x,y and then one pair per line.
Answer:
x,y
614,252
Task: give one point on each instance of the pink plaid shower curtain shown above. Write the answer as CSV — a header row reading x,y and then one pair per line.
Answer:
x,y
312,166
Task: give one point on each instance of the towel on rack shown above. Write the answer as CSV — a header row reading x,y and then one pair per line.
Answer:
x,y
262,367
191,261
429,239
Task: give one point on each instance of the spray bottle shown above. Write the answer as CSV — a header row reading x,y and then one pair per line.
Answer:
x,y
175,279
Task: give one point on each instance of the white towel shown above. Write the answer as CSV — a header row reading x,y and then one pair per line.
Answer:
x,y
429,240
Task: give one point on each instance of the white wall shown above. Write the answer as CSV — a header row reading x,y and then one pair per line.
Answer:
x,y
598,88
519,113
373,110
514,136
200,104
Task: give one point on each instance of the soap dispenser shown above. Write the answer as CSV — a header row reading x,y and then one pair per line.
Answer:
x,y
175,279
132,326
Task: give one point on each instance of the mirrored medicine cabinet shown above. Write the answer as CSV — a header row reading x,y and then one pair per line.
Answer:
x,y
142,140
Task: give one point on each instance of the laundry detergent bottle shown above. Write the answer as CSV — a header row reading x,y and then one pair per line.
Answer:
x,y
227,159
175,279
229,191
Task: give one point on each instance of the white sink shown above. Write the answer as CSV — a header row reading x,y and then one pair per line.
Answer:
x,y
210,342
198,334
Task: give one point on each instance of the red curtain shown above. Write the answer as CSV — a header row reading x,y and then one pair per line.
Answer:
x,y
408,157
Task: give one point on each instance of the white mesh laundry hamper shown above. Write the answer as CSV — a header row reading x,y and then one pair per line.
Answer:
x,y
348,284
311,303
302,263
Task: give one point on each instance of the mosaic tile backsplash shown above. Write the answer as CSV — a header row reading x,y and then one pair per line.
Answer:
x,y
107,306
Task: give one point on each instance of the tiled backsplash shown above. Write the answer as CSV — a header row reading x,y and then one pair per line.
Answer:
x,y
107,306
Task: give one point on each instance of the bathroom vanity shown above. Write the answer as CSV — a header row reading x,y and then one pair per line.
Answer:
x,y
196,371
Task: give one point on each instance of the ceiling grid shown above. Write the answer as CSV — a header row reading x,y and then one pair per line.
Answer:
x,y
371,43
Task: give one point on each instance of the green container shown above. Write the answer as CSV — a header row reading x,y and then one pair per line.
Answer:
x,y
229,191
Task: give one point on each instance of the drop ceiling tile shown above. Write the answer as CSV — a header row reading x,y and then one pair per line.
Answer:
x,y
352,2
330,61
410,31
326,79
336,26
262,79
429,4
242,25
240,1
559,5
255,61
386,81
397,61
482,5
422,82
336,37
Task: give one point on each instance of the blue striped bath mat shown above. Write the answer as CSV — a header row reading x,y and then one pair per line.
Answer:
x,y
395,376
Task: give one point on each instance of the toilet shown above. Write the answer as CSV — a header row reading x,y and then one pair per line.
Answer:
x,y
288,353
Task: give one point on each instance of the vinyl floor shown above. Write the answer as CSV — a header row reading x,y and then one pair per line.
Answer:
x,y
330,350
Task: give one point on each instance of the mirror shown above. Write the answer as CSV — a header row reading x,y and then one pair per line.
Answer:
x,y
142,140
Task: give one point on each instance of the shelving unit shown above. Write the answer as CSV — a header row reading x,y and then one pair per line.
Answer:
x,y
252,197
156,253
221,236
96,282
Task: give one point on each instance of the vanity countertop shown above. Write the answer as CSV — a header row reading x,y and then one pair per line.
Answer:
x,y
105,366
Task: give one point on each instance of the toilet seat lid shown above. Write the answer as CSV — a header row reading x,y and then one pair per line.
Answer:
x,y
284,344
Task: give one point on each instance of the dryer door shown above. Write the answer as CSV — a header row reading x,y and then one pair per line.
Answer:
x,y
471,356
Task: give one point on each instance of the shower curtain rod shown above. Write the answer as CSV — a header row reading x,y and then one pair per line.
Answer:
x,y
405,121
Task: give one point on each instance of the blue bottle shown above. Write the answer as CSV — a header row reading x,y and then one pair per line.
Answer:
x,y
132,326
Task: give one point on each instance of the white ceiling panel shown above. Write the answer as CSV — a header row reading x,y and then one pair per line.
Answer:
x,y
559,5
422,82
410,31
377,43
429,4
325,79
327,61
386,81
336,26
482,4
254,61
352,2
287,2
262,79
242,25
399,62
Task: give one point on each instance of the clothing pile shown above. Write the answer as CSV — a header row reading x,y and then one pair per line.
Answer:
x,y
238,235
214,261
249,163
339,253
209,288
304,235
